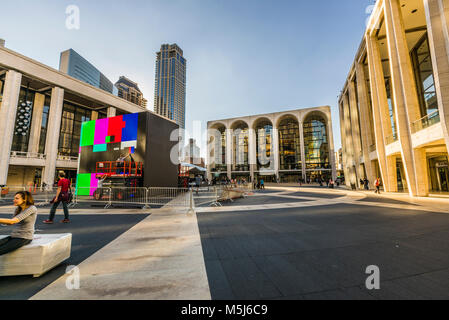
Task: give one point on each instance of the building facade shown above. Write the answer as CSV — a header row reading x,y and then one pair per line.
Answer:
x,y
170,84
129,90
394,107
284,146
77,67
41,112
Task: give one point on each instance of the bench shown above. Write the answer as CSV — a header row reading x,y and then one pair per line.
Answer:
x,y
43,254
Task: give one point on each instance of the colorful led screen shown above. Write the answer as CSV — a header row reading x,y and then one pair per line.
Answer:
x,y
107,140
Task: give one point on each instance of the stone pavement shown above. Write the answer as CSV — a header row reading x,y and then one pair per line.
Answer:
x,y
160,258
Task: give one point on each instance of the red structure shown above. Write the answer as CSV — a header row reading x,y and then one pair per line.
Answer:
x,y
119,169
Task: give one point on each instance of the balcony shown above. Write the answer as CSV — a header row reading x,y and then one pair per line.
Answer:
x,y
425,122
62,157
372,148
391,139
27,155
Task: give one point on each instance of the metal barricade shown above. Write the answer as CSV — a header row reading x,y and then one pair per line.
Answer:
x,y
99,196
207,195
169,197
128,196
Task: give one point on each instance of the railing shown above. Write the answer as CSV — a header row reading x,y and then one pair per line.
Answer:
x,y
27,155
425,122
391,138
66,158
40,195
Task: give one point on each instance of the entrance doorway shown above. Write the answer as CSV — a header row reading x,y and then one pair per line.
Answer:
x,y
439,174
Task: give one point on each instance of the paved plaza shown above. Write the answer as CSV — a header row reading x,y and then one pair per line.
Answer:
x,y
280,243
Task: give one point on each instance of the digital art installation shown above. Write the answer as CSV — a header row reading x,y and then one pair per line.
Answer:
x,y
105,141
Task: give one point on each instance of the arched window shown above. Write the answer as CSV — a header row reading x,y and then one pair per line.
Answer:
x,y
218,154
264,144
289,144
316,142
240,136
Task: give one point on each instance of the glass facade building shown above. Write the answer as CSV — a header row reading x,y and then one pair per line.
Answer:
x,y
285,146
170,84
76,66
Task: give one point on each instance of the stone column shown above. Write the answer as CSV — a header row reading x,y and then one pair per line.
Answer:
x,y
355,130
229,147
343,143
112,112
331,147
8,113
36,123
364,120
437,16
350,161
275,151
404,90
303,149
423,180
381,116
53,131
94,115
252,150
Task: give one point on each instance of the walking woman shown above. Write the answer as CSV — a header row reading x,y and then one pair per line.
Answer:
x,y
23,220
62,195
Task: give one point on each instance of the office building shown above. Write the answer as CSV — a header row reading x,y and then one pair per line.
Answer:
x,y
170,84
129,90
77,67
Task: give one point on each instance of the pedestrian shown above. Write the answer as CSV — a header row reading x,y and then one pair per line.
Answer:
x,y
262,184
62,195
362,184
366,183
23,220
377,184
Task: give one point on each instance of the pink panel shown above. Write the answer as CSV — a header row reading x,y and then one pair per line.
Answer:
x,y
93,183
101,131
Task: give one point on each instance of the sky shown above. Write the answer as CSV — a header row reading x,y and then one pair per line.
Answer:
x,y
244,57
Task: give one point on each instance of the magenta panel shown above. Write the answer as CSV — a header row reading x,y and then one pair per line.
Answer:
x,y
101,131
93,183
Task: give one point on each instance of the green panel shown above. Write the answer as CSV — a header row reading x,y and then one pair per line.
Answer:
x,y
83,184
87,133
108,139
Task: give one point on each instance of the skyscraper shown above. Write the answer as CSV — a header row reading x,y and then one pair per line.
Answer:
x,y
76,66
130,91
170,86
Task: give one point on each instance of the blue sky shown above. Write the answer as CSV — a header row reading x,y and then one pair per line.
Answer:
x,y
244,56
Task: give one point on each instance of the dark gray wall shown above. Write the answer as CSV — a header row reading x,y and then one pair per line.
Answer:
x,y
159,169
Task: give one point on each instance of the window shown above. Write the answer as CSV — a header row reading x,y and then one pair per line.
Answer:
x,y
316,142
23,121
44,124
72,118
289,145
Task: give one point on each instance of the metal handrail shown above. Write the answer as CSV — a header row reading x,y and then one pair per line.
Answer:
x,y
426,121
391,139
28,155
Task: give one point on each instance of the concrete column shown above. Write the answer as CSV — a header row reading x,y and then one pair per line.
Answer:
x,y
94,115
404,90
53,131
275,150
112,112
355,130
303,149
36,123
423,181
392,179
437,16
8,113
364,120
350,161
331,146
381,117
343,143
229,147
252,152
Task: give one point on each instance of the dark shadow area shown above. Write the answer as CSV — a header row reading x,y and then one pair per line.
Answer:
x,y
90,233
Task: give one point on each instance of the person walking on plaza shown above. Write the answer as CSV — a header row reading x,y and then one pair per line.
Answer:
x,y
377,184
23,221
262,184
366,184
62,195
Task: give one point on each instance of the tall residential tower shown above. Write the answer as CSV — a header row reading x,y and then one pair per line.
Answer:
x,y
170,86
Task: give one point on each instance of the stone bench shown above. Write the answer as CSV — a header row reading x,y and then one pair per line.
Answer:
x,y
43,254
